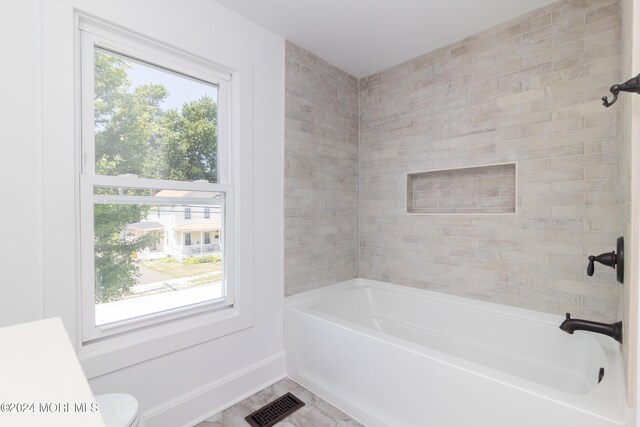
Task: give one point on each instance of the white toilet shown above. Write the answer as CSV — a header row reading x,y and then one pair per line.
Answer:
x,y
119,410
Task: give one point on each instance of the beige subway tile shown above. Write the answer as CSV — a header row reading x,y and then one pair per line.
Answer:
x,y
602,13
477,101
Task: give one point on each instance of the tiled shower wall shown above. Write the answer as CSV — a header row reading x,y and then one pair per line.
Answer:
x,y
321,172
527,91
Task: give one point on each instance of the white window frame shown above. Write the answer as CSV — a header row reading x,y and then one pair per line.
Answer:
x,y
105,349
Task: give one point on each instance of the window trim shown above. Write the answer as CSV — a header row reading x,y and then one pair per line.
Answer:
x,y
105,355
164,60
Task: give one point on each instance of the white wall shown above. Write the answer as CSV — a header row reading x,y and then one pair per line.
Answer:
x,y
21,292
185,386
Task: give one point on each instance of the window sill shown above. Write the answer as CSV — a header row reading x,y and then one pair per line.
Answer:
x,y
111,313
114,353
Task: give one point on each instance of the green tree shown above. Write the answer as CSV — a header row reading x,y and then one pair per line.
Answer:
x,y
127,123
135,135
197,134
115,268
110,84
124,124
188,143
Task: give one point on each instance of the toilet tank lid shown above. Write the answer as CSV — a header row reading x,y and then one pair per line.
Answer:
x,y
117,409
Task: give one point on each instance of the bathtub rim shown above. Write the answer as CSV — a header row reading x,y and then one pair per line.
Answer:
x,y
607,400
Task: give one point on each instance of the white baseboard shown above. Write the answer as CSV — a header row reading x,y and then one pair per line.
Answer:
x,y
200,404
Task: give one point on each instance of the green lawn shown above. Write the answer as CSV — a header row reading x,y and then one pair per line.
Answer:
x,y
169,268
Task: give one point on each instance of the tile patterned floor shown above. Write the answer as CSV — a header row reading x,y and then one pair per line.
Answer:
x,y
315,413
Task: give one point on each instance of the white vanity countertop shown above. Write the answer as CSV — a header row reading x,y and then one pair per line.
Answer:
x,y
41,380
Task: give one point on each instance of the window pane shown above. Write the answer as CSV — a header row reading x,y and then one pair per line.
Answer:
x,y
153,122
149,258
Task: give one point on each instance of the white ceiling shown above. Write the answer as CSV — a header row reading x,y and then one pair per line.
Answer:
x,y
366,36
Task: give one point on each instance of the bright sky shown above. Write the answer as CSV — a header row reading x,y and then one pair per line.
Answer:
x,y
181,89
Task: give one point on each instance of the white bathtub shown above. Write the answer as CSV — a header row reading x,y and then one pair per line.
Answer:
x,y
394,356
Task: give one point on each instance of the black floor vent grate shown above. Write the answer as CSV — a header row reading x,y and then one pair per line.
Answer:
x,y
275,411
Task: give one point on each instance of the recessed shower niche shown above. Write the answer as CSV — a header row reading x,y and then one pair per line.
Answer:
x,y
489,189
